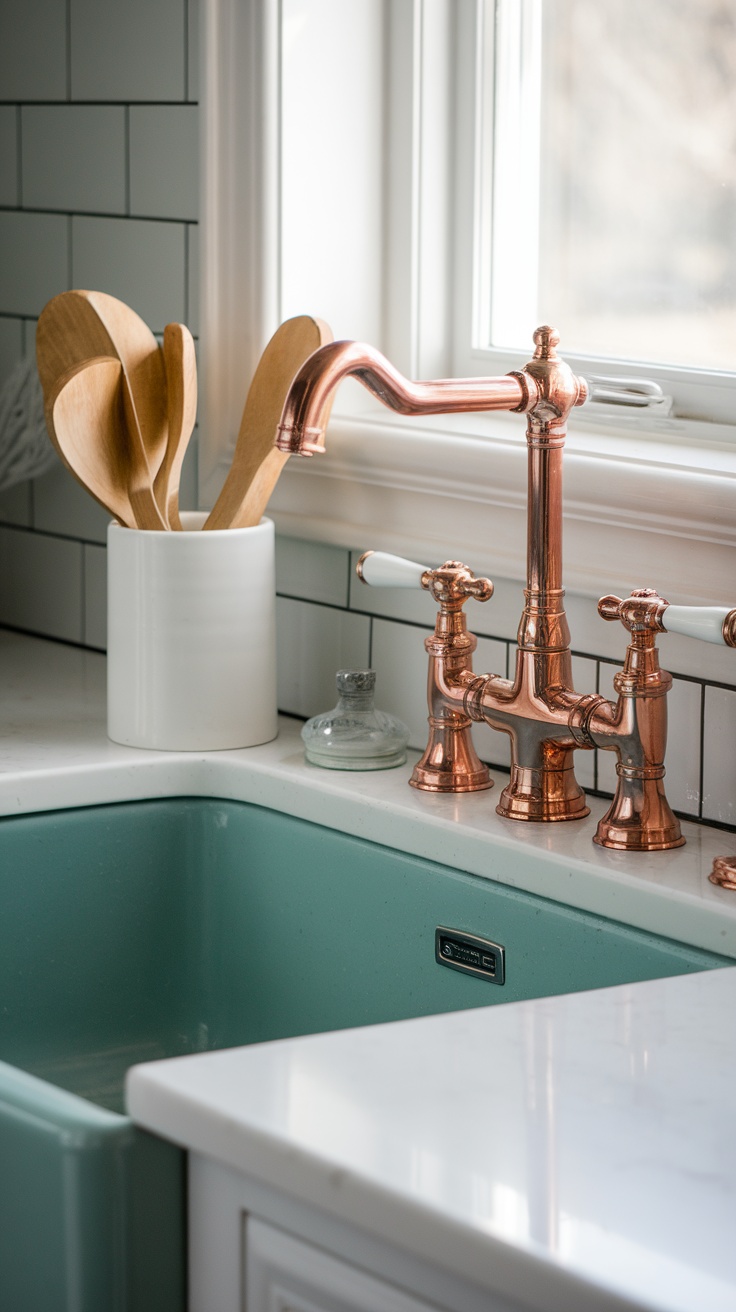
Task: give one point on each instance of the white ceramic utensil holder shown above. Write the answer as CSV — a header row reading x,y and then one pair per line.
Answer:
x,y
191,658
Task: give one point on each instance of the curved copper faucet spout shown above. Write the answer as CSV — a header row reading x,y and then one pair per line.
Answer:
x,y
301,430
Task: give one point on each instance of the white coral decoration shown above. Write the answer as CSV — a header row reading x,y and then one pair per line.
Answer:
x,y
25,449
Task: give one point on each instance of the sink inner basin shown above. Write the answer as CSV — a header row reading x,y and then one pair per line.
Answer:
x,y
154,929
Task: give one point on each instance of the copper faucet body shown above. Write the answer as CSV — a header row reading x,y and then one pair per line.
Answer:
x,y
545,719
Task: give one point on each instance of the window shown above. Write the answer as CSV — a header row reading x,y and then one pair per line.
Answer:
x,y
410,169
604,181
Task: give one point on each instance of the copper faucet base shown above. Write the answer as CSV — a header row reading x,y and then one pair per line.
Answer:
x,y
542,795
450,763
639,840
431,781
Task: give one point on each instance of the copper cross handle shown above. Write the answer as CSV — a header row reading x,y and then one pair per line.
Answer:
x,y
451,584
645,610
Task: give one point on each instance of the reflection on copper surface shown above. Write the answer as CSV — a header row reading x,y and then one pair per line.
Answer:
x,y
724,872
545,719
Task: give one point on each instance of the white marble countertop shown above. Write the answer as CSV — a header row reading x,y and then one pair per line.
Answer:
x,y
55,754
593,1146
574,1154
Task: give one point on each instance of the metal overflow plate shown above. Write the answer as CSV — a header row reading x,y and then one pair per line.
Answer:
x,y
470,954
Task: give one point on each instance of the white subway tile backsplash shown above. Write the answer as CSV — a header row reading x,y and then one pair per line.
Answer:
x,y
719,774
41,584
164,161
8,155
140,261
62,506
313,643
74,157
95,597
33,50
35,264
130,51
312,571
11,346
15,505
400,662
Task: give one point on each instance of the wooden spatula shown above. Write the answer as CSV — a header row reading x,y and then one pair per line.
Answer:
x,y
256,463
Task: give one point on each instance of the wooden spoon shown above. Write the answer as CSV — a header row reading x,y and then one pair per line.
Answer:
x,y
143,364
181,392
89,429
78,326
256,462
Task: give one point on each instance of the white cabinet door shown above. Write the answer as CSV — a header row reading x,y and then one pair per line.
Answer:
x,y
285,1275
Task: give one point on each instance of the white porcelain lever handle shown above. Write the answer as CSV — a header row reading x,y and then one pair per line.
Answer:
x,y
709,623
382,570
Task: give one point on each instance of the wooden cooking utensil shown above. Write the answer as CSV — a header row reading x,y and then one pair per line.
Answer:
x,y
79,325
256,462
89,429
143,364
181,398
69,332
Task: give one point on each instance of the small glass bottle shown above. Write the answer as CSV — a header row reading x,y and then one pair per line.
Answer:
x,y
355,736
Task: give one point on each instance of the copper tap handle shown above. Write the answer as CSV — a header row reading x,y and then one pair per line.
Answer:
x,y
639,613
451,582
644,610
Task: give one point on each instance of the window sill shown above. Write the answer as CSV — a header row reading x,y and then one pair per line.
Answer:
x,y
638,511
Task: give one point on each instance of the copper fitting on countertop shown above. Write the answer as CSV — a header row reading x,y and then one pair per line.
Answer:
x,y
545,719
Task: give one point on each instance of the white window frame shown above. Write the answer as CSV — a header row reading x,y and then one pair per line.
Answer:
x,y
432,487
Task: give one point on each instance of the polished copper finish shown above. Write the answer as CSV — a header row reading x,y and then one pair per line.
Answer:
x,y
639,818
724,871
450,763
301,429
545,719
729,629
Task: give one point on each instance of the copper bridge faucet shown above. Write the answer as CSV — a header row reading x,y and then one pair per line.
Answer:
x,y
546,720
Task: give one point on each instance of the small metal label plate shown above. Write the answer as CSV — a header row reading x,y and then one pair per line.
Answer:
x,y
470,954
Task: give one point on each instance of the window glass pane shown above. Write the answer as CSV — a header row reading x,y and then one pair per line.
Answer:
x,y
637,202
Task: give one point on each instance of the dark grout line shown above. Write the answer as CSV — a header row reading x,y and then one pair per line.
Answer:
x,y
19,148
98,104
126,121
186,51
68,50
49,637
45,533
186,274
98,214
701,767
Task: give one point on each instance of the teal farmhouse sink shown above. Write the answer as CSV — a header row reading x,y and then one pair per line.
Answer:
x,y
152,929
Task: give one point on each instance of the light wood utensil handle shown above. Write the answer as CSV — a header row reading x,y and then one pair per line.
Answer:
x,y
181,392
256,462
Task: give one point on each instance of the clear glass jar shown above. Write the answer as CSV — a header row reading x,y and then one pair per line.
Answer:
x,y
355,736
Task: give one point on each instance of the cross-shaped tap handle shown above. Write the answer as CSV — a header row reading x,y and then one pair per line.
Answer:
x,y
451,583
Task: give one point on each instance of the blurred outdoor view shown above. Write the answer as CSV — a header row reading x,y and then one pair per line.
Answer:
x,y
638,181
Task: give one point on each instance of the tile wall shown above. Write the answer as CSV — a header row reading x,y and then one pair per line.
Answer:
x,y
98,188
